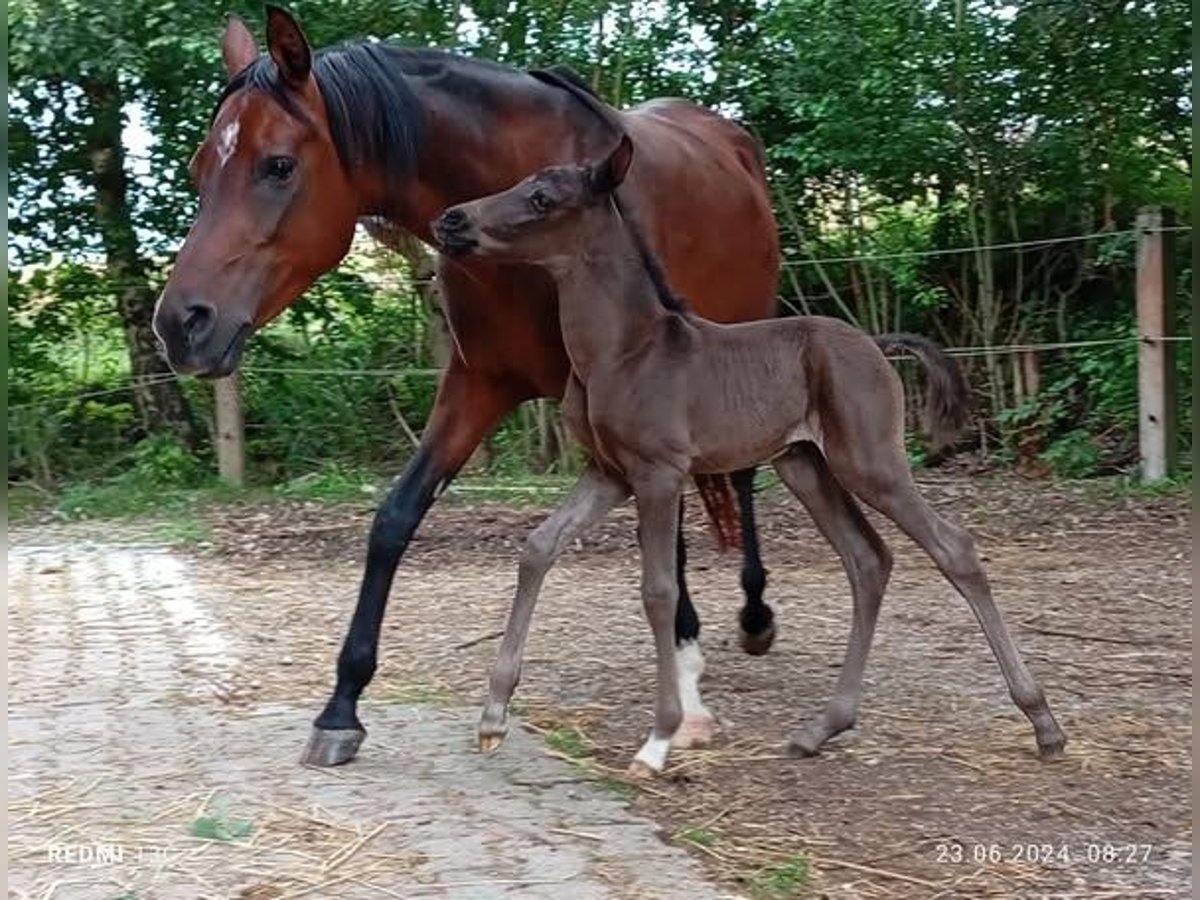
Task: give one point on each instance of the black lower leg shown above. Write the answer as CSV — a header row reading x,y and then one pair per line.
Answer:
x,y
687,621
395,522
757,619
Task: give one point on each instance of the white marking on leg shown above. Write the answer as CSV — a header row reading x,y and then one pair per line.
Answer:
x,y
654,752
227,144
689,664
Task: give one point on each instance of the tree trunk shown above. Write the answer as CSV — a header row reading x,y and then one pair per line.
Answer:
x,y
159,401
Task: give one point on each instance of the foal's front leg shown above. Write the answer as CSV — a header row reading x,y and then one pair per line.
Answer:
x,y
594,494
658,524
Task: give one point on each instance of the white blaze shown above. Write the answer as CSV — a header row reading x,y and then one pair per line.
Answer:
x,y
228,141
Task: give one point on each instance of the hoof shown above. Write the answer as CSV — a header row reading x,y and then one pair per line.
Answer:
x,y
804,745
491,741
1054,749
641,771
757,644
695,731
332,747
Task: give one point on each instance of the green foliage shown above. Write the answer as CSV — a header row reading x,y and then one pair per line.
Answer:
x,y
784,879
622,790
1074,455
161,461
701,837
220,826
568,741
892,128
332,483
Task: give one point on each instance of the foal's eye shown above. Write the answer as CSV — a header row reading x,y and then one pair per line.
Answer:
x,y
279,168
539,202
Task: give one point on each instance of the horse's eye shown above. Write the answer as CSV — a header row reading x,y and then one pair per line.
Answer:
x,y
279,168
539,202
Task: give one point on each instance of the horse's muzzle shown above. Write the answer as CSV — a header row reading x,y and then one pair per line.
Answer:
x,y
198,341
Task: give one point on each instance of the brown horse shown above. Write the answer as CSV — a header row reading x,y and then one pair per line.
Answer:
x,y
303,145
657,394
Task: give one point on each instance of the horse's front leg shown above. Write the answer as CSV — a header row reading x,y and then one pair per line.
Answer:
x,y
594,494
466,407
658,524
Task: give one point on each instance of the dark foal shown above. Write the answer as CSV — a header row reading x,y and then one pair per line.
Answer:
x,y
657,394
303,145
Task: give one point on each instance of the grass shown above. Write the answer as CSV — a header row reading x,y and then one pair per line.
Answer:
x,y
783,879
1132,486
125,498
25,500
623,790
220,825
334,484
413,695
515,490
701,837
567,741
182,531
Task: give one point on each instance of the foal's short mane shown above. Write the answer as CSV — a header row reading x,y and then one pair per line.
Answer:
x,y
650,261
570,81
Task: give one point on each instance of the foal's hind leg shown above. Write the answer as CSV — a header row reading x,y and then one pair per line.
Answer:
x,y
699,725
757,620
868,564
592,497
886,483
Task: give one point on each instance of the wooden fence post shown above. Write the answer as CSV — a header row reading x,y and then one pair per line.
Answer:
x,y
1156,356
231,444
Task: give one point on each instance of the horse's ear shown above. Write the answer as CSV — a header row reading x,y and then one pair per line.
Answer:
x,y
607,176
238,49
288,47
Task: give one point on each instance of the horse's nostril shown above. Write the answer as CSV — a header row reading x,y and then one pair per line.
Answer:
x,y
199,319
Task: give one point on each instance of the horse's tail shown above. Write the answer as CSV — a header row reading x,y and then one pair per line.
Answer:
x,y
946,394
716,495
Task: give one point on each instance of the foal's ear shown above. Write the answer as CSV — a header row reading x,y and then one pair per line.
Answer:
x,y
288,47
607,176
238,49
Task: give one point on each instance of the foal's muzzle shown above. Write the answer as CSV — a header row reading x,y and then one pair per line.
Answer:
x,y
454,234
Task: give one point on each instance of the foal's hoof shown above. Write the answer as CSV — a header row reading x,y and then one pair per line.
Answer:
x,y
804,744
757,644
695,731
641,771
332,747
490,741
1053,749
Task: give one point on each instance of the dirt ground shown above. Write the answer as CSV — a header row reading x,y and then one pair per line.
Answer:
x,y
936,793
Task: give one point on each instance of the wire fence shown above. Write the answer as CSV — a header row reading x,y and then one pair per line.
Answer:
x,y
129,383
384,281
388,406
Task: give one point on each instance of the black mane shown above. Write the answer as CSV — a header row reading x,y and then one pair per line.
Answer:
x,y
374,116
650,261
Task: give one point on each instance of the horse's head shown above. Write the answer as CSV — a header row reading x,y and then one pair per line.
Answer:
x,y
533,221
277,206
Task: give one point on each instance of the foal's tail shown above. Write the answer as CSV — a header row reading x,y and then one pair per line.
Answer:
x,y
946,402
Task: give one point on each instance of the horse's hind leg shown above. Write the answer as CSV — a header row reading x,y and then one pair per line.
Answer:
x,y
868,564
757,620
594,494
884,481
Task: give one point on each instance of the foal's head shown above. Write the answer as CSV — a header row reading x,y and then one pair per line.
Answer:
x,y
538,219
